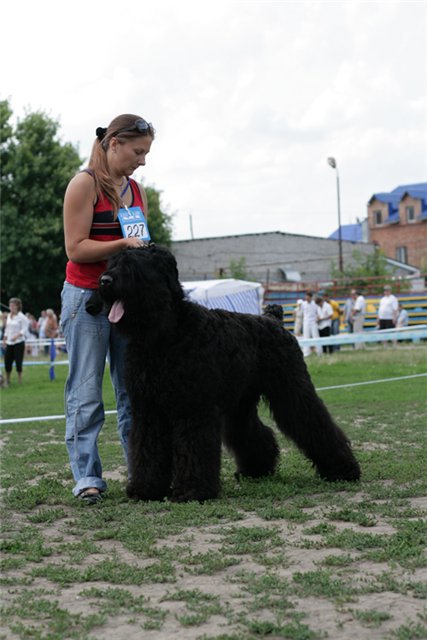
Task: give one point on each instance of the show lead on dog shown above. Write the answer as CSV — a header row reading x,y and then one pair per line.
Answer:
x,y
99,203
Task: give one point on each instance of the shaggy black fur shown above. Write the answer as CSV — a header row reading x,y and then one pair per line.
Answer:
x,y
195,377
274,311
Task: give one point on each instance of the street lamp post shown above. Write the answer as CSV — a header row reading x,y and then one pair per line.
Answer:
x,y
333,163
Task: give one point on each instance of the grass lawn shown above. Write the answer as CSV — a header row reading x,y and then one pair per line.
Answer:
x,y
289,556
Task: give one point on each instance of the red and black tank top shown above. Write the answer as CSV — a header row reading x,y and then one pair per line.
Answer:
x,y
104,229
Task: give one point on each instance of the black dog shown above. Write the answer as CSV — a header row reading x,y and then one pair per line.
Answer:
x,y
274,311
195,377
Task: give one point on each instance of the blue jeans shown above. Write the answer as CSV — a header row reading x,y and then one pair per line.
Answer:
x,y
90,339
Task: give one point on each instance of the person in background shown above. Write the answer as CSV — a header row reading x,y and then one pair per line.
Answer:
x,y
96,204
33,334
3,320
388,310
336,318
358,315
42,323
402,317
402,321
324,321
309,325
14,339
298,318
348,308
51,324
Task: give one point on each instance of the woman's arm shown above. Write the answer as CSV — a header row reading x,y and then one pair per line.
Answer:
x,y
23,325
79,201
6,330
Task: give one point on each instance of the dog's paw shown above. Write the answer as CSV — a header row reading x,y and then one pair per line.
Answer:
x,y
192,495
347,474
138,493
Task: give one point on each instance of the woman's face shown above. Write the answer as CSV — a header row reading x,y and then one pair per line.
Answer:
x,y
13,308
124,158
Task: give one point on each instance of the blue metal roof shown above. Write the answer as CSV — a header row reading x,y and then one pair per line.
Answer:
x,y
415,190
349,232
393,198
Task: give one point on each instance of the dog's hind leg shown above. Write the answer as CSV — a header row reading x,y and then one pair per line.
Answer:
x,y
252,443
301,415
196,460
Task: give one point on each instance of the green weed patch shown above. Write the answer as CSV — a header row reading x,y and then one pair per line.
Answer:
x,y
264,560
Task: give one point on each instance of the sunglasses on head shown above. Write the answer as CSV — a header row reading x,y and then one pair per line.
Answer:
x,y
140,125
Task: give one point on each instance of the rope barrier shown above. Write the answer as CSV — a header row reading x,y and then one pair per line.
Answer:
x,y
113,411
42,418
359,384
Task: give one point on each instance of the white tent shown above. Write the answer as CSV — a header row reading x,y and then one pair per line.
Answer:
x,y
229,294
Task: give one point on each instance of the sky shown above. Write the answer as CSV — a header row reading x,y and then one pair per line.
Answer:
x,y
248,99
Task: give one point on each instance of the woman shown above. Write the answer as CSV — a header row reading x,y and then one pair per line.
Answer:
x,y
324,320
96,204
51,325
14,339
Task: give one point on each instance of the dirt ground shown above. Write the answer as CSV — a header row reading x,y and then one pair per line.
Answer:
x,y
325,616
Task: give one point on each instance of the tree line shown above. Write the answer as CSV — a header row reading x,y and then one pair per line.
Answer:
x,y
36,167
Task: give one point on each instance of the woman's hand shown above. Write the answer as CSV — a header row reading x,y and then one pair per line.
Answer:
x,y
135,242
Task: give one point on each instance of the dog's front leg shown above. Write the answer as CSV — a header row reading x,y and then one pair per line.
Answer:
x,y
150,459
196,460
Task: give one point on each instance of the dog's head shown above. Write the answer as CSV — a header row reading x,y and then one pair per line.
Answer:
x,y
140,285
274,311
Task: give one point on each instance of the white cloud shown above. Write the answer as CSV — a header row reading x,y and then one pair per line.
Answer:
x,y
248,99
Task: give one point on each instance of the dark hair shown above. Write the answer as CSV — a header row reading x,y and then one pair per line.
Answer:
x,y
123,127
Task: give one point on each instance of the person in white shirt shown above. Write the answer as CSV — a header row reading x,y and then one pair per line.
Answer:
x,y
14,339
388,310
298,316
324,321
310,327
402,318
358,315
348,308
42,329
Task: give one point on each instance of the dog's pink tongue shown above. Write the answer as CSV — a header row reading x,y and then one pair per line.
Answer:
x,y
116,312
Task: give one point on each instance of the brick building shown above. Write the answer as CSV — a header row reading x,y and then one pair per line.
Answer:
x,y
397,222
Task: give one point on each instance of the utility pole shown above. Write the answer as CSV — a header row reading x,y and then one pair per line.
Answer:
x,y
333,163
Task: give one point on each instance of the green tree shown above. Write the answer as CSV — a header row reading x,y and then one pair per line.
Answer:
x,y
368,272
159,222
36,167
238,269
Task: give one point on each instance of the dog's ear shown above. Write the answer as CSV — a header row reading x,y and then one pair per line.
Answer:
x,y
164,255
169,268
173,276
